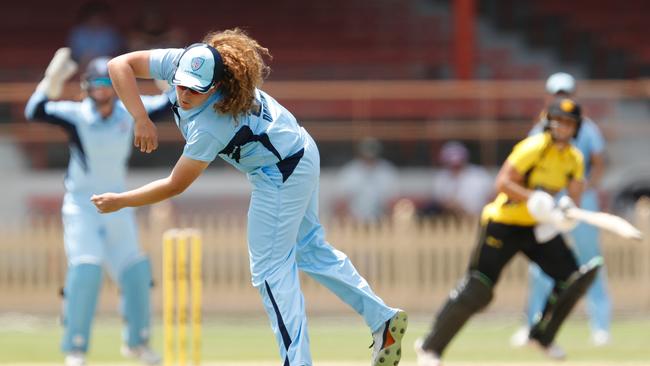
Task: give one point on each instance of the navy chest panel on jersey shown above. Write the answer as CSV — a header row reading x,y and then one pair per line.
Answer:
x,y
246,135
243,136
69,127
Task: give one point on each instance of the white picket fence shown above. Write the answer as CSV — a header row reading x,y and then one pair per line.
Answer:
x,y
410,265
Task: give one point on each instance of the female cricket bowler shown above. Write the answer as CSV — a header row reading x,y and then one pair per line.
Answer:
x,y
221,111
99,129
524,217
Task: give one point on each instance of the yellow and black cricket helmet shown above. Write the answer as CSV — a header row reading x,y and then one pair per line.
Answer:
x,y
564,107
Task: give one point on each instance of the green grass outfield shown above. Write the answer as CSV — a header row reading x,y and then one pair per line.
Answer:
x,y
338,340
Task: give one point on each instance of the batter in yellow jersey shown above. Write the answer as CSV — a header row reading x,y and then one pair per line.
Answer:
x,y
543,165
524,218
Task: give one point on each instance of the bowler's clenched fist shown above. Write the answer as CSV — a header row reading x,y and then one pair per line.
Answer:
x,y
107,202
145,135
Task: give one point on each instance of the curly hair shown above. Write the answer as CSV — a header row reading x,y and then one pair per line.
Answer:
x,y
244,71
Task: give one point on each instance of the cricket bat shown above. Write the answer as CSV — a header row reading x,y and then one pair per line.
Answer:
x,y
605,221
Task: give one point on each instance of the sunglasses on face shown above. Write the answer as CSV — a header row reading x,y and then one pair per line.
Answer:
x,y
192,91
100,83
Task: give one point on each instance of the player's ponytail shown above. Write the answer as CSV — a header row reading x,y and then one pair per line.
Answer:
x,y
244,69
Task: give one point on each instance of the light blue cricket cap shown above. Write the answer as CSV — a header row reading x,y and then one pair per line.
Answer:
x,y
199,68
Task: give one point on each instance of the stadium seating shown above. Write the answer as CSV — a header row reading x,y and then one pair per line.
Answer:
x,y
336,39
607,37
330,40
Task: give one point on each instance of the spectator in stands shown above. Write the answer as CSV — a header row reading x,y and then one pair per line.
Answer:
x,y
95,35
460,188
151,29
100,131
367,184
590,142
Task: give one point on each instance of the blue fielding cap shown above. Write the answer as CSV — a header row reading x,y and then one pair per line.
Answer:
x,y
200,67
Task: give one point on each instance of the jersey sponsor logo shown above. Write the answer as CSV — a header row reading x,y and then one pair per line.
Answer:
x,y
493,242
197,62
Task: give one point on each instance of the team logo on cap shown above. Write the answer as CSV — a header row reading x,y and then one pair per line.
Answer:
x,y
197,62
567,105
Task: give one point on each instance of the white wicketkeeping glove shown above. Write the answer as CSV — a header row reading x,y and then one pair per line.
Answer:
x,y
60,69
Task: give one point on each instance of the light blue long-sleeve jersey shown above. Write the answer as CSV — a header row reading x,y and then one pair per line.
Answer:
x,y
284,232
265,137
99,148
99,153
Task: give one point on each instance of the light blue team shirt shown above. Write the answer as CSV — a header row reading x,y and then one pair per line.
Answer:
x,y
253,140
99,148
589,140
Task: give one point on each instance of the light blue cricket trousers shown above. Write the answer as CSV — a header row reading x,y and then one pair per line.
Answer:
x,y
586,245
94,241
284,236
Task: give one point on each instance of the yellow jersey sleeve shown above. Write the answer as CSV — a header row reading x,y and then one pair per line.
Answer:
x,y
528,151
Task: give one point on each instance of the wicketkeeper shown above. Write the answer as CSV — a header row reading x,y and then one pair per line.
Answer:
x,y
100,131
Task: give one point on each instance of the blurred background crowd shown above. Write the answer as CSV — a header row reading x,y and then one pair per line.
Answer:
x,y
400,94
414,105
